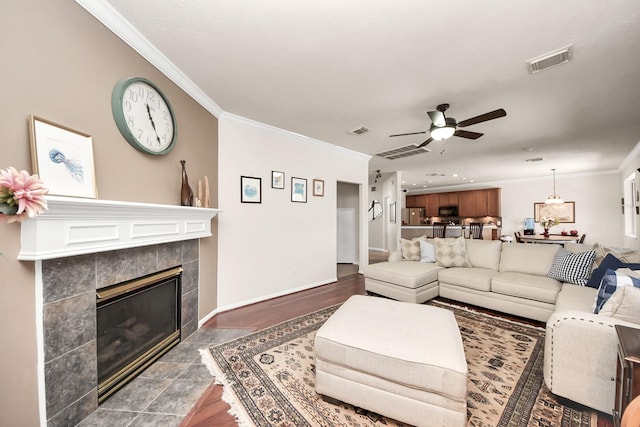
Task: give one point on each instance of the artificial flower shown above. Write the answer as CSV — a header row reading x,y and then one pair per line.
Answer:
x,y
21,195
548,222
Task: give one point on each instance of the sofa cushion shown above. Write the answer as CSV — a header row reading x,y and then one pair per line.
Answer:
x,y
451,252
484,253
529,286
411,248
575,298
624,304
528,258
577,248
610,262
572,268
409,274
471,278
427,251
611,282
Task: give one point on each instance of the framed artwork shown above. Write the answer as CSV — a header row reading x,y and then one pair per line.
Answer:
x,y
318,187
564,212
277,180
250,189
298,190
63,158
392,212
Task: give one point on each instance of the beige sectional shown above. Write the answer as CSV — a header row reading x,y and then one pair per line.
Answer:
x,y
580,347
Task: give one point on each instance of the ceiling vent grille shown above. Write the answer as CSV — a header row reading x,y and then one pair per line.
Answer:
x,y
406,151
359,131
552,59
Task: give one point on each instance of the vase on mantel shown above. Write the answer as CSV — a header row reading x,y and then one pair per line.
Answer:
x,y
186,193
546,232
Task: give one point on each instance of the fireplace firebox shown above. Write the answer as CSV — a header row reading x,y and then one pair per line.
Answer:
x,y
137,322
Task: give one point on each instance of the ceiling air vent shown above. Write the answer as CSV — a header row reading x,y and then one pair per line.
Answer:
x,y
549,60
534,159
406,151
359,131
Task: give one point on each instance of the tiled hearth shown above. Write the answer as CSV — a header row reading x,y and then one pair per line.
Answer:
x,y
69,317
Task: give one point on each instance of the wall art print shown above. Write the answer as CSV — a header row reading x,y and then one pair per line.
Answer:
x,y
250,189
62,158
564,212
277,180
298,190
318,187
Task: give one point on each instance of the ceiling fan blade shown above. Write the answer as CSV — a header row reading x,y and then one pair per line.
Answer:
x,y
437,117
404,134
467,134
424,144
483,118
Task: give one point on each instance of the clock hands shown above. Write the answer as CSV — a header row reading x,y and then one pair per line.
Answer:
x,y
153,125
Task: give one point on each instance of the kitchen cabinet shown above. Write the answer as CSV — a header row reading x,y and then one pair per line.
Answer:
x,y
467,203
448,199
493,202
471,204
432,204
411,202
421,201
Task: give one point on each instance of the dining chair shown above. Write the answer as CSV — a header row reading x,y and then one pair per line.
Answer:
x,y
475,230
518,239
582,238
439,229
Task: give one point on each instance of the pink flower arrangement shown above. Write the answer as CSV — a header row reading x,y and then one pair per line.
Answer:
x,y
21,195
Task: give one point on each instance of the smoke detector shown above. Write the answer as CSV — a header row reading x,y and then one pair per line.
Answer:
x,y
549,60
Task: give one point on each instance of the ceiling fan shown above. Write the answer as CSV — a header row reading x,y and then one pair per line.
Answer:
x,y
445,127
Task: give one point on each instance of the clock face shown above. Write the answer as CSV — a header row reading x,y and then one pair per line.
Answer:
x,y
143,116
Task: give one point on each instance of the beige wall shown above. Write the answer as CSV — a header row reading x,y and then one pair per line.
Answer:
x,y
61,64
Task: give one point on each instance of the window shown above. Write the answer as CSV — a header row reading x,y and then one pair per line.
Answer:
x,y
629,205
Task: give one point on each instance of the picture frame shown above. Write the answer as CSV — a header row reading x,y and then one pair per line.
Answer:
x,y
298,190
277,180
564,213
63,158
250,189
318,187
392,212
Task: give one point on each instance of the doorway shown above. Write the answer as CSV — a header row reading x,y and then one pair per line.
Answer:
x,y
347,220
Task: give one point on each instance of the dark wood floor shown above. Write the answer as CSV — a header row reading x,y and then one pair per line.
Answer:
x,y
211,410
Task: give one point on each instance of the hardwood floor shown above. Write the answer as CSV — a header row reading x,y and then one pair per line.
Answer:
x,y
211,410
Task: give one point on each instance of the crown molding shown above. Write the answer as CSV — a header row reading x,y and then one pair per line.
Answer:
x,y
114,21
292,135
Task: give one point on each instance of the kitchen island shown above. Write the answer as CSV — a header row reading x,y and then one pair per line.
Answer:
x,y
411,231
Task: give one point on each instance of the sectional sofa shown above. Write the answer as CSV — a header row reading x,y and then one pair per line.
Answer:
x,y
580,346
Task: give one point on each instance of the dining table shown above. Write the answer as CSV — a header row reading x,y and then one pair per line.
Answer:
x,y
554,238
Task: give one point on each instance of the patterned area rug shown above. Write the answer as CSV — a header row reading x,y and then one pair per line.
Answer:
x,y
268,377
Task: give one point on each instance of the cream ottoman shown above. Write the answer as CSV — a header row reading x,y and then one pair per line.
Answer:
x,y
401,360
408,281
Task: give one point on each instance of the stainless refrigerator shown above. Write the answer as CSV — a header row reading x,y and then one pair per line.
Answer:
x,y
413,216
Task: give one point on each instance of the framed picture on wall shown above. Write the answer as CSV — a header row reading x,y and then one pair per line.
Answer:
x,y
564,212
277,180
63,159
250,189
298,190
318,187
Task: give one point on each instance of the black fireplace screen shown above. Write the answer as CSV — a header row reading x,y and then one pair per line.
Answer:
x,y
137,322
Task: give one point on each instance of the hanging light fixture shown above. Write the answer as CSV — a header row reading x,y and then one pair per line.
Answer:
x,y
554,199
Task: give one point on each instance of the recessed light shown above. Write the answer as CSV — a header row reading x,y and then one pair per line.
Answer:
x,y
463,178
528,149
454,175
471,180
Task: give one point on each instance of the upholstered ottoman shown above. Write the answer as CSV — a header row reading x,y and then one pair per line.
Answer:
x,y
401,360
408,281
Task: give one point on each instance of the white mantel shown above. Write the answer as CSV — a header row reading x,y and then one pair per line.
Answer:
x,y
74,226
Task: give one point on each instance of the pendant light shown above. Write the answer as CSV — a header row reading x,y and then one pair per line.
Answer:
x,y
554,199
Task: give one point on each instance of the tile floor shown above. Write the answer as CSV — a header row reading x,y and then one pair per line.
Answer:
x,y
165,393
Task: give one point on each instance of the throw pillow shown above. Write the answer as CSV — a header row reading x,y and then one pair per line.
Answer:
x,y
572,268
611,282
451,252
624,255
411,248
395,256
624,304
610,262
427,252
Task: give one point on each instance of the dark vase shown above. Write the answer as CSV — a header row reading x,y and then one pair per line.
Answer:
x,y
546,232
186,193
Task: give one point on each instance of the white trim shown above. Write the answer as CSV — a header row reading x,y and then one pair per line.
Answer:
x,y
630,157
122,28
75,226
207,317
292,135
42,390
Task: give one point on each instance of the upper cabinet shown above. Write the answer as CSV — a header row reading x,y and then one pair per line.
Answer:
x,y
448,199
471,204
432,204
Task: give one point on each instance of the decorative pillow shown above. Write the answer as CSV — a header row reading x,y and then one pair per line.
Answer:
x,y
624,304
611,282
395,256
451,252
411,248
427,251
624,255
610,262
572,268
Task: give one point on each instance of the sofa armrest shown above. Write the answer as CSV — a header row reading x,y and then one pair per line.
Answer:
x,y
580,358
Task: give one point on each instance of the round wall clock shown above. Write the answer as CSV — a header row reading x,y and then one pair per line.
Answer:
x,y
143,115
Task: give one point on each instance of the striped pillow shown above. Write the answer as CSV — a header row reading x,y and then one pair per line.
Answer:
x,y
572,268
611,282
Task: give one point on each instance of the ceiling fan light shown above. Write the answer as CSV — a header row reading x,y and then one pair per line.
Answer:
x,y
442,133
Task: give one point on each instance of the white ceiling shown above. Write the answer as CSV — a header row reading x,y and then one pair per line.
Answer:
x,y
321,68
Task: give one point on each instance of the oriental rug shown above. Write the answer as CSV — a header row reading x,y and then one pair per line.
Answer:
x,y
268,377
